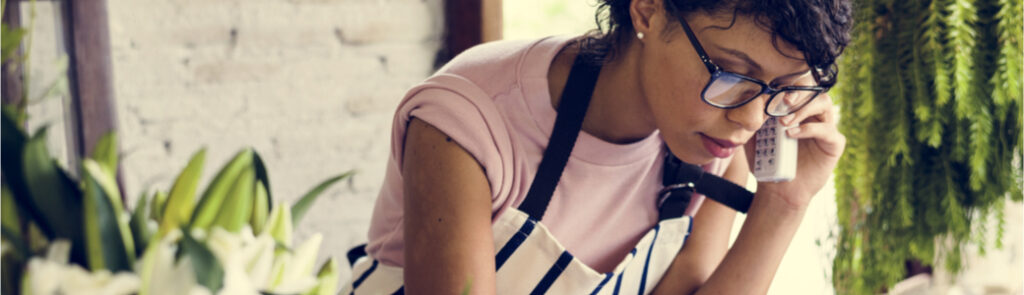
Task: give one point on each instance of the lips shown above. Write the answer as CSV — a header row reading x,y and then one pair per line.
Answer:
x,y
719,148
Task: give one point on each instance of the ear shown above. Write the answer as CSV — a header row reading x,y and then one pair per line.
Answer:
x,y
647,16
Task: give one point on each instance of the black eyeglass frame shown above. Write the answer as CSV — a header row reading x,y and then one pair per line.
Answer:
x,y
717,72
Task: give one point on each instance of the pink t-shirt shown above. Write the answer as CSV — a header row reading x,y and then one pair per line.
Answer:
x,y
494,101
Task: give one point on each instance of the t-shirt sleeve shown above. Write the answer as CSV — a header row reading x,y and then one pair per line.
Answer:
x,y
466,114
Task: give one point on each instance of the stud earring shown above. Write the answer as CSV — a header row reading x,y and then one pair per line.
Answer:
x,y
640,35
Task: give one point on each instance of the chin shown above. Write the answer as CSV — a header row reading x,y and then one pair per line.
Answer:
x,y
691,153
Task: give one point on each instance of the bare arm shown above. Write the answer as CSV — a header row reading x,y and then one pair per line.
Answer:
x,y
448,241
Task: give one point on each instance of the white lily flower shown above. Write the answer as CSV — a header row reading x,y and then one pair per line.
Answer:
x,y
162,276
303,259
252,264
279,224
259,260
293,272
53,275
228,248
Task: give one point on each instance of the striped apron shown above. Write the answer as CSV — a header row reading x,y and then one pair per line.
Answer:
x,y
529,260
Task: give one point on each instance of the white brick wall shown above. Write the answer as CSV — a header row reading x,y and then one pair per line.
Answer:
x,y
310,84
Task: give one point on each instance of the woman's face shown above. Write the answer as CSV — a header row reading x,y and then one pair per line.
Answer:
x,y
672,77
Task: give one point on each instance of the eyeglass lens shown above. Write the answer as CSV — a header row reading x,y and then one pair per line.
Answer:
x,y
729,91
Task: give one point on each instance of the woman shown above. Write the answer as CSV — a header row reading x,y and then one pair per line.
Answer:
x,y
577,190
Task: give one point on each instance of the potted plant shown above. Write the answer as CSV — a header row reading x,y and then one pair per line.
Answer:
x,y
74,236
931,105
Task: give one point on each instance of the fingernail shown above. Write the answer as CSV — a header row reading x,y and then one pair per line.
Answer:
x,y
793,131
787,119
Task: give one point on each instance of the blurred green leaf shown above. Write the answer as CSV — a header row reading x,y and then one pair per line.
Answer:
x,y
54,194
105,152
22,250
208,270
10,219
210,204
147,266
182,200
108,239
12,273
260,208
12,145
156,205
262,176
139,224
10,38
300,208
237,207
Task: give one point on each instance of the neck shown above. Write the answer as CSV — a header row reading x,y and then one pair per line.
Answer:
x,y
618,111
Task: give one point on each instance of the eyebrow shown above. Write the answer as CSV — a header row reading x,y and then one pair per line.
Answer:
x,y
757,67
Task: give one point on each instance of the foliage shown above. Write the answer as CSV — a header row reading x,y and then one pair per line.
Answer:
x,y
229,239
930,97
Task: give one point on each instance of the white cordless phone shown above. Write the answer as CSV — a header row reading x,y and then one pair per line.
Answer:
x,y
774,153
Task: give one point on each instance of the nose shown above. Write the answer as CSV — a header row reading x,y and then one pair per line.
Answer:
x,y
749,116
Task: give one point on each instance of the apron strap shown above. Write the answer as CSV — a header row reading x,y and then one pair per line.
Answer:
x,y
682,179
571,110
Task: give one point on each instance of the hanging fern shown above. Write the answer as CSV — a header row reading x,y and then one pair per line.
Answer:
x,y
930,100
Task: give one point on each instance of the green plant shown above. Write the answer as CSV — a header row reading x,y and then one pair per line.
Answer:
x,y
931,104
227,238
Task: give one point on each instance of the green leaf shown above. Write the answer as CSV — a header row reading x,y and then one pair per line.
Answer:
x,y
237,208
10,219
210,204
260,208
148,266
10,40
54,195
20,245
12,145
300,208
108,238
209,272
262,176
105,152
156,206
139,224
12,269
182,200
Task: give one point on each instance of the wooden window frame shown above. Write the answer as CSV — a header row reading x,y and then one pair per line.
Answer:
x,y
86,40
87,43
468,23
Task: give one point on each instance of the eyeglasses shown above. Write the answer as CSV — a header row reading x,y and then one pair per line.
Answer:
x,y
729,90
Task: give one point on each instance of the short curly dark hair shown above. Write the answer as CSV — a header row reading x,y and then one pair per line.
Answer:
x,y
818,28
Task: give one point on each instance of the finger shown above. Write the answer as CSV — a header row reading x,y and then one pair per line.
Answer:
x,y
819,108
825,135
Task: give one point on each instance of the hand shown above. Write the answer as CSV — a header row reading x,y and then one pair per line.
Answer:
x,y
820,145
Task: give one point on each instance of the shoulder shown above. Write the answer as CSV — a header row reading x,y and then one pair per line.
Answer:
x,y
494,67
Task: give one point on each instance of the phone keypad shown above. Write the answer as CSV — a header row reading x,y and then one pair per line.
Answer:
x,y
765,147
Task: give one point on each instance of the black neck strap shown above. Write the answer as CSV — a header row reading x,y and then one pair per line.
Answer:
x,y
681,179
571,109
